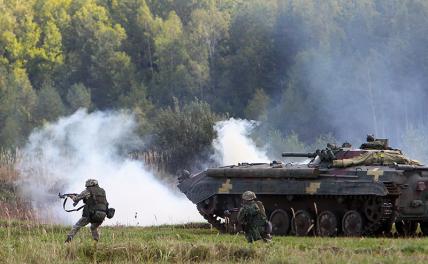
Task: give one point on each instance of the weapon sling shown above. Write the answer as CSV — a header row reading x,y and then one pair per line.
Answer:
x,y
71,210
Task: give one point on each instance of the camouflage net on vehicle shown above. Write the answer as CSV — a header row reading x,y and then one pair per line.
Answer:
x,y
384,157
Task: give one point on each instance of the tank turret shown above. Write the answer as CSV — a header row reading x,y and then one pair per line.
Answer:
x,y
375,143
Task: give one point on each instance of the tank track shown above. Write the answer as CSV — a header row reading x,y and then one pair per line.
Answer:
x,y
212,219
389,212
371,228
387,217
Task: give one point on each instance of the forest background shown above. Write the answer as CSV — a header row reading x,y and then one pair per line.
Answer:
x,y
308,71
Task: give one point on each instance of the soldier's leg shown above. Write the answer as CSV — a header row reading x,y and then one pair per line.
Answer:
x,y
83,221
265,232
249,237
266,237
94,231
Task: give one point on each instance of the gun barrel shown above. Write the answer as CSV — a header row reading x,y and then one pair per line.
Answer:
x,y
64,195
299,155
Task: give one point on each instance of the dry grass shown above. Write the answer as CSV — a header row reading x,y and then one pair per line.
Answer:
x,y
12,206
27,242
8,174
30,242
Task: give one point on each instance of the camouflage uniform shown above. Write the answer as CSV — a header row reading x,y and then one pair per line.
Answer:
x,y
252,217
94,210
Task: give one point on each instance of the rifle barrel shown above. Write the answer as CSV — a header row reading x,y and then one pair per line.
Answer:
x,y
64,195
299,155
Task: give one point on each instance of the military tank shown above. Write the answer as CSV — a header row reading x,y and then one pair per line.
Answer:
x,y
338,191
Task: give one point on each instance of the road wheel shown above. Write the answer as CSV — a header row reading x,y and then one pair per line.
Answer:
x,y
280,222
352,223
326,224
373,209
302,223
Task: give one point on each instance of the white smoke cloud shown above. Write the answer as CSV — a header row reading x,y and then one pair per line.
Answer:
x,y
62,155
233,143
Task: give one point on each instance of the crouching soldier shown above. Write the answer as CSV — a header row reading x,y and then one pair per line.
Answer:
x,y
94,210
252,217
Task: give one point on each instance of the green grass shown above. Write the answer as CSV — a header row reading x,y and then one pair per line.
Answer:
x,y
26,242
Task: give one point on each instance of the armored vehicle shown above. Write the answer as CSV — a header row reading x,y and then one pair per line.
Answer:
x,y
338,191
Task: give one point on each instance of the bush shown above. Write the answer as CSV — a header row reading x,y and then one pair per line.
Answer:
x,y
183,135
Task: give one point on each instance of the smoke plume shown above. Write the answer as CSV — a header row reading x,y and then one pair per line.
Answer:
x,y
351,68
61,156
234,144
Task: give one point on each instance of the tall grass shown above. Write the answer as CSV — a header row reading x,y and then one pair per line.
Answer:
x,y
8,173
11,204
29,242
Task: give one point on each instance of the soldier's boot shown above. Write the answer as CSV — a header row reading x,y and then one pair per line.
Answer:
x,y
267,238
68,239
94,231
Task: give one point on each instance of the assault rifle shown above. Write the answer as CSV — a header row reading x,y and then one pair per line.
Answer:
x,y
65,196
110,211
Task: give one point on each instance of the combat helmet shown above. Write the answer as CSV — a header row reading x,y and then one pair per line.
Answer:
x,y
91,182
248,196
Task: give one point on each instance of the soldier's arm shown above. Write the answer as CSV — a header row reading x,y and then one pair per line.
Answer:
x,y
261,208
241,216
82,195
241,219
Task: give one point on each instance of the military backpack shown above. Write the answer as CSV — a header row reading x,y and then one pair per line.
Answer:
x,y
96,204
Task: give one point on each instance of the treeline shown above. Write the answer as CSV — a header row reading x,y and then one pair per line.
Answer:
x,y
304,68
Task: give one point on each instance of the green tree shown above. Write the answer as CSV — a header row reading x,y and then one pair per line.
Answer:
x,y
11,133
173,77
277,143
139,24
137,97
19,34
49,105
78,97
205,31
97,59
183,8
257,108
249,62
49,57
184,135
17,103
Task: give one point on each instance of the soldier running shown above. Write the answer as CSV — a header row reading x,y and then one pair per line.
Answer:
x,y
252,217
94,211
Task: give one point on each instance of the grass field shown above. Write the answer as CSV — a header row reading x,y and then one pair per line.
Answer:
x,y
26,242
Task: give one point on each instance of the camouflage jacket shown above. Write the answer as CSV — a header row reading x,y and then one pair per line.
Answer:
x,y
94,198
252,214
85,194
